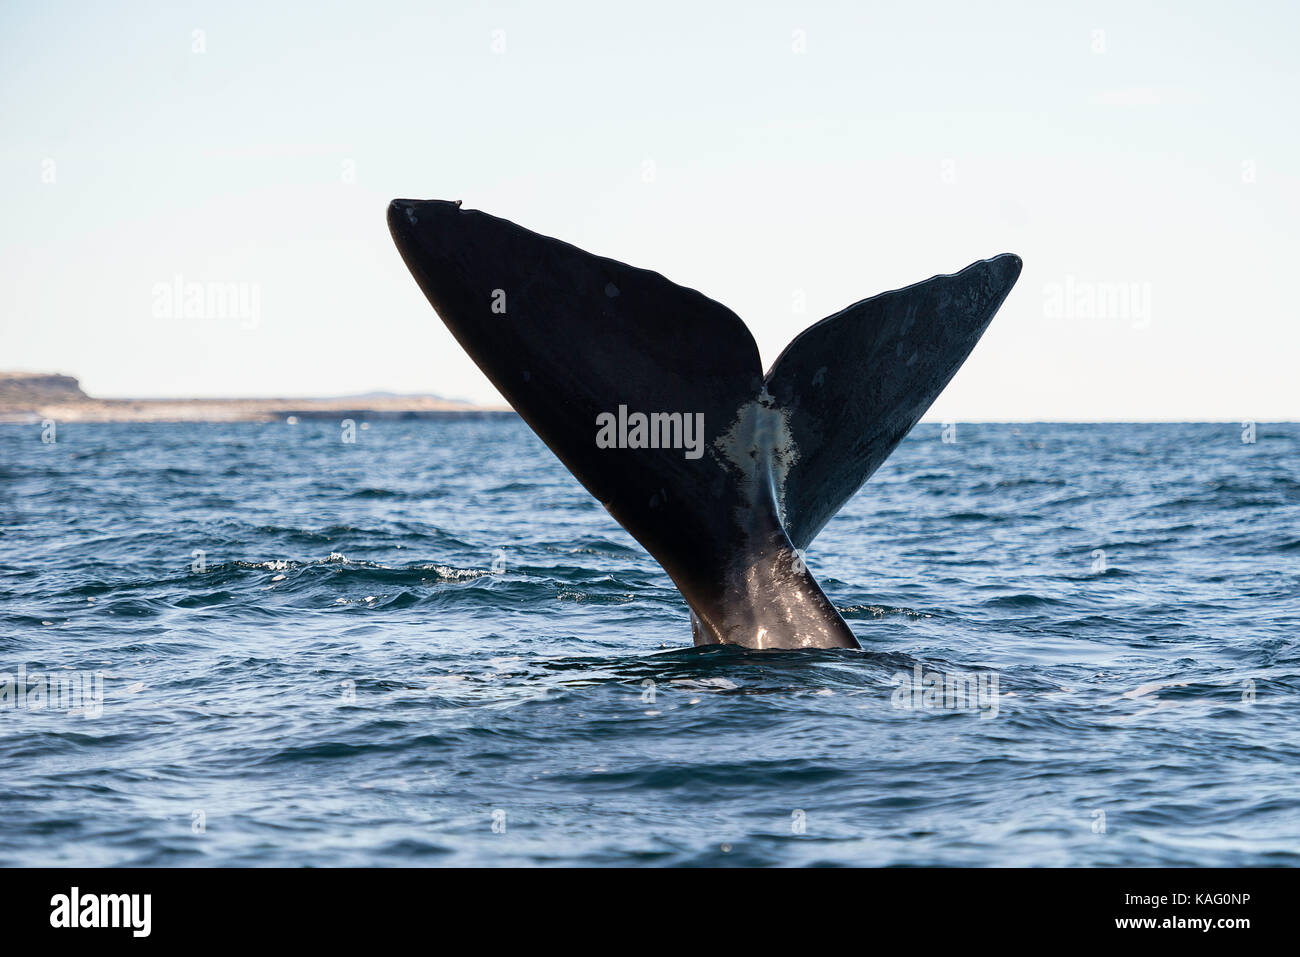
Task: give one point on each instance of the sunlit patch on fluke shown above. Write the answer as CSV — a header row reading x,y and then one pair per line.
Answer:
x,y
614,367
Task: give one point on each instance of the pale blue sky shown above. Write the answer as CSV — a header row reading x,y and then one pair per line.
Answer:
x,y
1159,157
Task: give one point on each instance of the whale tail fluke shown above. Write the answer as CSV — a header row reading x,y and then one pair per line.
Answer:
x,y
653,396
857,381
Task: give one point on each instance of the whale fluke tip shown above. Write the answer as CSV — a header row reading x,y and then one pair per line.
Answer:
x,y
1011,265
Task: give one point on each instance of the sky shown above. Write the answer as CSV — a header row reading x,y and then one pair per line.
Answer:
x,y
786,159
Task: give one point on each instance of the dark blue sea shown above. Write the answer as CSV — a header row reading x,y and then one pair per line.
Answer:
x,y
432,646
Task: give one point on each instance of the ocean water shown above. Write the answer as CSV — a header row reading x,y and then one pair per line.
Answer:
x,y
431,646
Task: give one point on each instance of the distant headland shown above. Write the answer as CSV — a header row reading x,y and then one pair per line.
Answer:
x,y
36,396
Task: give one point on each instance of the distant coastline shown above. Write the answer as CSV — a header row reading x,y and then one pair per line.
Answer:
x,y
27,397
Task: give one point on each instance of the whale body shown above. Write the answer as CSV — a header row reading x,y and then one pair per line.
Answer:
x,y
654,397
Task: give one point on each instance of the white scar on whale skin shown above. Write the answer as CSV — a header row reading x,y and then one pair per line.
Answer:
x,y
760,434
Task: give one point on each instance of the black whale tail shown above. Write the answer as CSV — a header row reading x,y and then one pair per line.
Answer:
x,y
653,396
